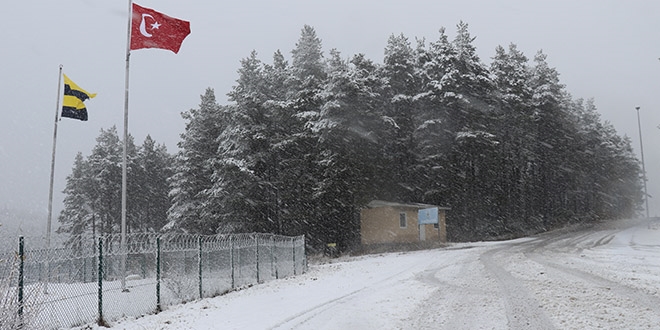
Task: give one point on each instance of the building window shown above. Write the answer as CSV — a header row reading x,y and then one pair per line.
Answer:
x,y
403,221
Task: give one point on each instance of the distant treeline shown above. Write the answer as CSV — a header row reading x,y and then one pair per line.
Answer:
x,y
303,145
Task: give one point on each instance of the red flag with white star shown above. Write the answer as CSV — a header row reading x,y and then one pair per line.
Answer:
x,y
151,29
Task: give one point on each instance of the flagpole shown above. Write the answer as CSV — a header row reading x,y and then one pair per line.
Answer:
x,y
124,157
52,176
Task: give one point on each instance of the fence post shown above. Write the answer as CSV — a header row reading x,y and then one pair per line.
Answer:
x,y
256,240
199,265
21,265
158,306
101,321
304,248
231,259
273,264
293,243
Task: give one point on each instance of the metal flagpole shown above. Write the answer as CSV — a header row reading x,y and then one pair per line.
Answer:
x,y
124,165
52,176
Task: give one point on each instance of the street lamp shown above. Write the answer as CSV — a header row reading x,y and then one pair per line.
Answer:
x,y
641,150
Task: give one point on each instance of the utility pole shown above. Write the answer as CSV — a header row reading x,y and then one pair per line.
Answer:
x,y
641,150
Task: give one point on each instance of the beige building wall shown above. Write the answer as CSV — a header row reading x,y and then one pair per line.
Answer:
x,y
442,226
381,225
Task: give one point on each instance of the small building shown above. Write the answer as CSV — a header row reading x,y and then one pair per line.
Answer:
x,y
384,222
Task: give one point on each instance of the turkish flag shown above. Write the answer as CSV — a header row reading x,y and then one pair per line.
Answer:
x,y
151,29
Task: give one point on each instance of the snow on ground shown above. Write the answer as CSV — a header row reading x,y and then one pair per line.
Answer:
x,y
602,278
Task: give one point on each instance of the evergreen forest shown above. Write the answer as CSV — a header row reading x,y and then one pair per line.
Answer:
x,y
305,142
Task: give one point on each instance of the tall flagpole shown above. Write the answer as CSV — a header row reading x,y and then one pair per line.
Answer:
x,y
52,176
124,165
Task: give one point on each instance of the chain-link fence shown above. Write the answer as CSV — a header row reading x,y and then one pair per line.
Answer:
x,y
91,280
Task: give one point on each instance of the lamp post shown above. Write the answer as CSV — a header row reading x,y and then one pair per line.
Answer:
x,y
641,150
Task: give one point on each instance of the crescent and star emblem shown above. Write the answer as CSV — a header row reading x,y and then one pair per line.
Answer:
x,y
143,27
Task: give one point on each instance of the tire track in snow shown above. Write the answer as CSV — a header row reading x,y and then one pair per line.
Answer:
x,y
613,302
640,297
300,320
645,299
523,310
464,298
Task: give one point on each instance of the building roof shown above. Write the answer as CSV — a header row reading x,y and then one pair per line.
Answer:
x,y
379,203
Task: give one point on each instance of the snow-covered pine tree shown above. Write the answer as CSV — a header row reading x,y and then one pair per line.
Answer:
x,y
93,194
456,135
609,183
282,118
623,179
433,138
298,149
244,164
307,66
403,82
510,74
154,167
193,170
105,166
77,217
349,148
551,130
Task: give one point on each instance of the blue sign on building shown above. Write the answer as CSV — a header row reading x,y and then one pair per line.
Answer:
x,y
427,216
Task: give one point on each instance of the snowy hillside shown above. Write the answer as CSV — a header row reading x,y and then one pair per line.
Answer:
x,y
602,278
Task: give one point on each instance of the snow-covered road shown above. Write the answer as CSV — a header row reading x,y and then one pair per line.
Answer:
x,y
602,278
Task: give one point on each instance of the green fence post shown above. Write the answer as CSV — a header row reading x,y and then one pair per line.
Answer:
x,y
199,265
231,260
101,321
21,265
256,240
293,243
302,238
273,264
158,306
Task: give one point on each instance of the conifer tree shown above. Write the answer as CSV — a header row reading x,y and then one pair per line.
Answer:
x,y
193,209
298,150
349,155
93,192
243,163
77,217
154,167
105,165
510,74
433,134
551,131
402,84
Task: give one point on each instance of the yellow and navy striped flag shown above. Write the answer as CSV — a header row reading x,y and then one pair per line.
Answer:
x,y
74,96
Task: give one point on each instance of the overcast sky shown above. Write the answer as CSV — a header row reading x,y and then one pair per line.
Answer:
x,y
607,50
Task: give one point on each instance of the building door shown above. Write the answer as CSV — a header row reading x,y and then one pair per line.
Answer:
x,y
422,233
